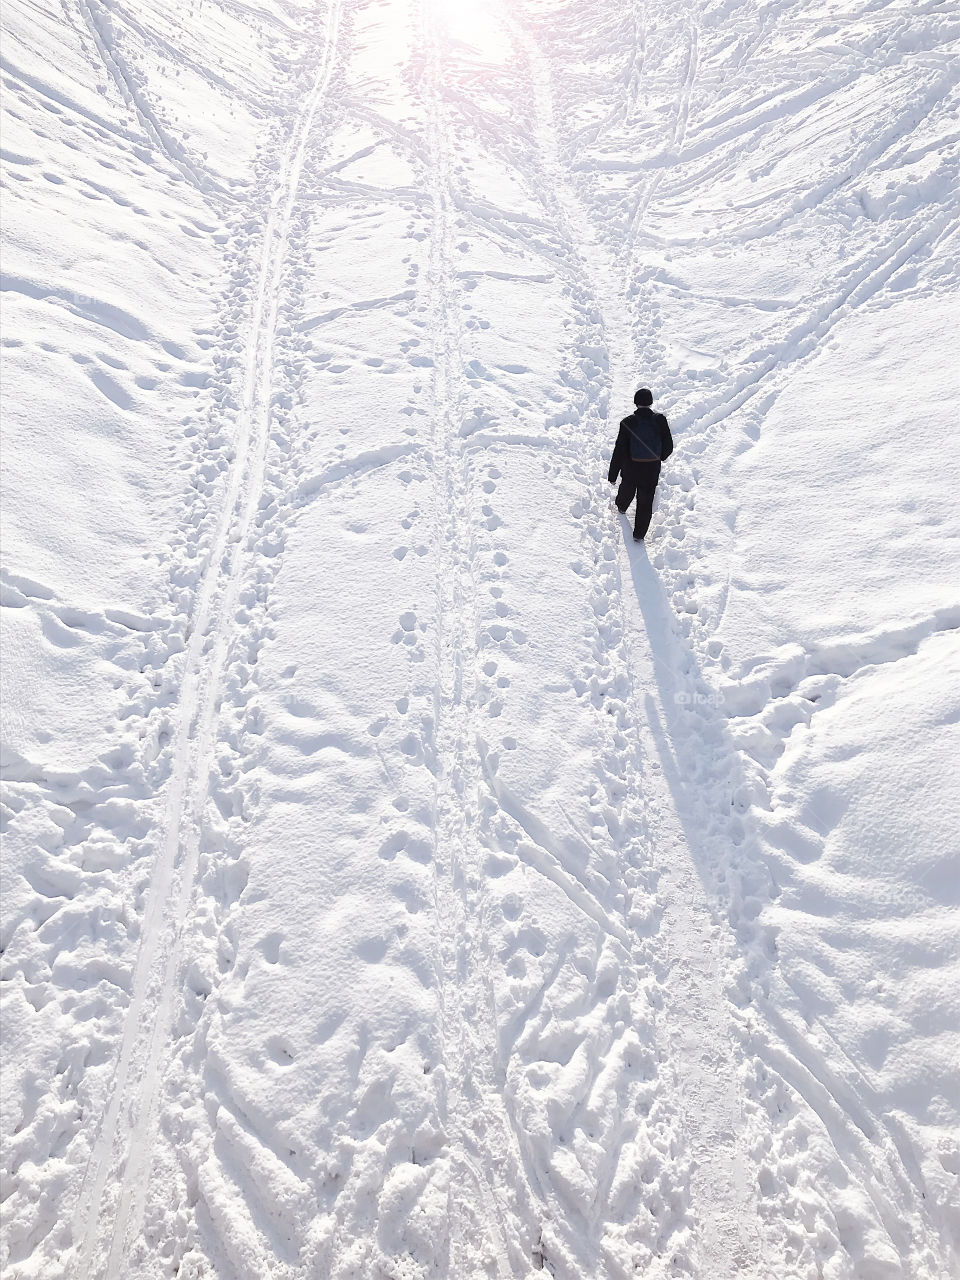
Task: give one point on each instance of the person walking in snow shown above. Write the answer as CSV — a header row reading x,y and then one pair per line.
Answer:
x,y
643,443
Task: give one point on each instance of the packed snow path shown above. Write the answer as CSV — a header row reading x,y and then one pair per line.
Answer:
x,y
406,875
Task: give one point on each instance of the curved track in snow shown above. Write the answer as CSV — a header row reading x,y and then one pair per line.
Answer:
x,y
122,1152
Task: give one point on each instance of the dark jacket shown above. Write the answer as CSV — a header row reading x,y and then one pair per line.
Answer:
x,y
644,437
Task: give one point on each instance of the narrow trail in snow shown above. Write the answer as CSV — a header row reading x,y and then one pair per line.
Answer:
x,y
484,1202
694,1031
124,1145
647,194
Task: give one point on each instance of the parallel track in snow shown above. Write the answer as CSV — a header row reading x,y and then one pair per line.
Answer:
x,y
121,1154
483,1207
684,954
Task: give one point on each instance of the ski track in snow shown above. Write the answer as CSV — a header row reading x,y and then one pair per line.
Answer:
x,y
128,1127
421,918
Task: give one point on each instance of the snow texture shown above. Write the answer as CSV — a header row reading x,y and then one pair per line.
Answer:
x,y
406,875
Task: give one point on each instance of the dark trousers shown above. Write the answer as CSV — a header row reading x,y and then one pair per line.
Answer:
x,y
638,479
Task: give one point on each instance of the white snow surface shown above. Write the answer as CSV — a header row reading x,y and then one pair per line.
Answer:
x,y
406,875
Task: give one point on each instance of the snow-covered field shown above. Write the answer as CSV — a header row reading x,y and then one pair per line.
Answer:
x,y
406,875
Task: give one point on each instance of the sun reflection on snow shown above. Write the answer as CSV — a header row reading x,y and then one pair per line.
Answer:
x,y
477,27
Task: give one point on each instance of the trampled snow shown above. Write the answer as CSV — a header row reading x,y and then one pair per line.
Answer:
x,y
407,875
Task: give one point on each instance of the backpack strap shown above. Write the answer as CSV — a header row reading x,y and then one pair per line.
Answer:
x,y
642,444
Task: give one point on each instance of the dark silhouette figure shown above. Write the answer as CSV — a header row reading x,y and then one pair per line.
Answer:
x,y
643,443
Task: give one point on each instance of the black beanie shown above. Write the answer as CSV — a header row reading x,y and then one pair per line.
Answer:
x,y
643,399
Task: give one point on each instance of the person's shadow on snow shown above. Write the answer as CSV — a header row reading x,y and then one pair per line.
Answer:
x,y
700,762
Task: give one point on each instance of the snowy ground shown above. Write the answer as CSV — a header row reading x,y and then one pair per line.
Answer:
x,y
405,874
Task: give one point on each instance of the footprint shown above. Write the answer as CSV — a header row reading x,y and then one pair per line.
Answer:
x,y
411,895
372,950
109,388
511,906
497,864
270,946
393,844
419,850
328,1026
532,940
59,635
281,1051
79,619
